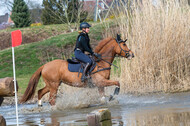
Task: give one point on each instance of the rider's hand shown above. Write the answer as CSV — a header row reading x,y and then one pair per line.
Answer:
x,y
97,55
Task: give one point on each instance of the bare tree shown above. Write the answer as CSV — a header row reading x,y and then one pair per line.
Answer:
x,y
79,13
7,4
67,11
75,13
35,11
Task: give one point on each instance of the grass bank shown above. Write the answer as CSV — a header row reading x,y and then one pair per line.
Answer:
x,y
32,34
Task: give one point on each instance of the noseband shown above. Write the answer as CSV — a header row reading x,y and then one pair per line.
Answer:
x,y
126,52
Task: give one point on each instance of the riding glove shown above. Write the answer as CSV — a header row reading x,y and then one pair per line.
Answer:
x,y
97,55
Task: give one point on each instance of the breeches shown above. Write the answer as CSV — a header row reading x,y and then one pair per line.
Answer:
x,y
82,57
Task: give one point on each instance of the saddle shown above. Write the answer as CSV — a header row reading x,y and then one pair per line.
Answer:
x,y
76,65
73,61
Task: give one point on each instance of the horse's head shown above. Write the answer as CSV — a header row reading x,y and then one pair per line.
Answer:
x,y
122,49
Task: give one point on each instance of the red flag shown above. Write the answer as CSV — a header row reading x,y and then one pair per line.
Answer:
x,y
16,38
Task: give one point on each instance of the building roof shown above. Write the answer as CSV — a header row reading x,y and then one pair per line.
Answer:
x,y
4,18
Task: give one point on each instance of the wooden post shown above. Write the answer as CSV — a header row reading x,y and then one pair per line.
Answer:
x,y
99,117
2,121
7,87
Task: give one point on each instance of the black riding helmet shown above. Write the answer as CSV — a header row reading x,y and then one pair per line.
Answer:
x,y
84,25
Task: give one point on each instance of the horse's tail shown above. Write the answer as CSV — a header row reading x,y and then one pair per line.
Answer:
x,y
30,90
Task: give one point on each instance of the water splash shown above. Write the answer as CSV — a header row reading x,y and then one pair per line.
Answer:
x,y
33,108
72,97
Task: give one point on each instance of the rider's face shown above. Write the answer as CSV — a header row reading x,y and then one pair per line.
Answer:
x,y
86,30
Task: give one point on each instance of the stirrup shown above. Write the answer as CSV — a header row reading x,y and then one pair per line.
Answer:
x,y
83,78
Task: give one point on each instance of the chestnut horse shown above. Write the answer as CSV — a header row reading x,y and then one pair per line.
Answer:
x,y
56,72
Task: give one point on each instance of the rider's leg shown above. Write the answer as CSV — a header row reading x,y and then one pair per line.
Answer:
x,y
85,71
84,58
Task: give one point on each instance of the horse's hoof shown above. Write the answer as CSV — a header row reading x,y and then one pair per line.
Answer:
x,y
117,89
40,105
111,98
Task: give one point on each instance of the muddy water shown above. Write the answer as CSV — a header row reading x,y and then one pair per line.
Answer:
x,y
149,110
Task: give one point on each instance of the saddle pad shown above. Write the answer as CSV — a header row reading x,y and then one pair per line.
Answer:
x,y
74,67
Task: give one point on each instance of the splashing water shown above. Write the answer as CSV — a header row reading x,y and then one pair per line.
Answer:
x,y
72,97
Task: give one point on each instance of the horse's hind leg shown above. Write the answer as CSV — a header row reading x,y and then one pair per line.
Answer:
x,y
41,93
52,97
52,87
101,91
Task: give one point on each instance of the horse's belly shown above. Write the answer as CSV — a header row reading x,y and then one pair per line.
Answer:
x,y
72,79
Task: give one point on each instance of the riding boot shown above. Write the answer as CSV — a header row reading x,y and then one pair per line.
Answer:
x,y
84,74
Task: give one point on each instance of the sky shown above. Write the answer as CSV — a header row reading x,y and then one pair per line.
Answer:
x,y
4,9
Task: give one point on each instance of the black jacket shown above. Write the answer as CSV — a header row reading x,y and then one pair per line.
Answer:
x,y
83,43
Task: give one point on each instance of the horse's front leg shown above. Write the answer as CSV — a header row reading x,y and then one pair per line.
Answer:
x,y
105,83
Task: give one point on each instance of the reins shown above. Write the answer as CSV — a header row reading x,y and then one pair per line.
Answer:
x,y
109,63
108,68
101,70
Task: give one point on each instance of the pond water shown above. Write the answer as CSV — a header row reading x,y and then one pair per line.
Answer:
x,y
126,110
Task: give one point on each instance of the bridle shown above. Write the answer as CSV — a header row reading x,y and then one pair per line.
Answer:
x,y
126,52
126,55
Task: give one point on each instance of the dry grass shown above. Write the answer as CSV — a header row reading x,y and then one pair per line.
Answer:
x,y
160,38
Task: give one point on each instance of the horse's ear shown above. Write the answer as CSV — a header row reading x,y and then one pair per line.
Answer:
x,y
118,37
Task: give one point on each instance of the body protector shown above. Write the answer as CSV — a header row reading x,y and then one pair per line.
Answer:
x,y
83,43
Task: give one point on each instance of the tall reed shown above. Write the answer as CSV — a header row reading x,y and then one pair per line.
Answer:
x,y
159,36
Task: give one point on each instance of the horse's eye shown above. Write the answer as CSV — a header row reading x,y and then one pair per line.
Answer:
x,y
124,44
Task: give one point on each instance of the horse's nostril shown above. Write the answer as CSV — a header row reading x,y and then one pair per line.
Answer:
x,y
127,55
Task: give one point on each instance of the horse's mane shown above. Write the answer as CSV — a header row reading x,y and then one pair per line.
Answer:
x,y
102,43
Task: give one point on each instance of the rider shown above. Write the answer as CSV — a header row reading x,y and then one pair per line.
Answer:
x,y
82,45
